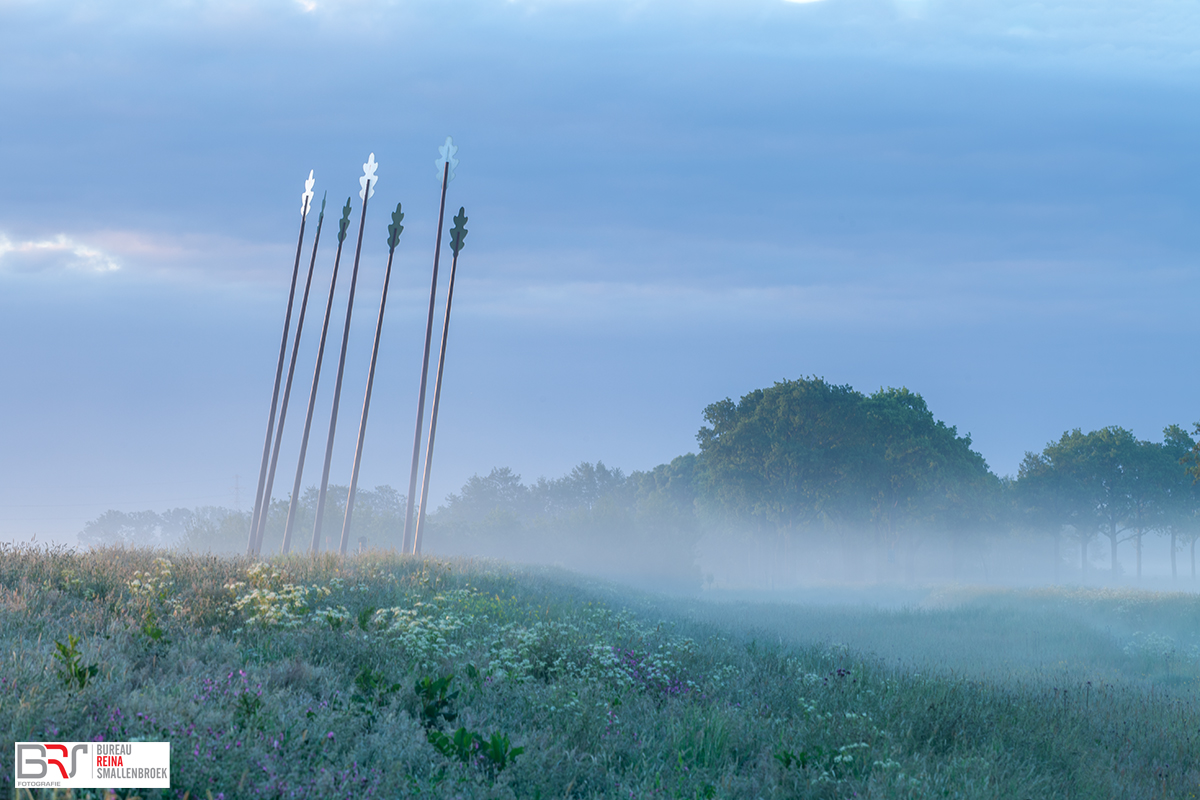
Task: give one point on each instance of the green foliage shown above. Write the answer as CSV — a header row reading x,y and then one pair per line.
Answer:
x,y
153,632
364,617
71,669
246,708
805,452
497,750
1190,458
436,699
372,691
787,759
492,754
460,745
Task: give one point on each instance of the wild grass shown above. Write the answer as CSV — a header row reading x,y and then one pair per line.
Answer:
x,y
382,676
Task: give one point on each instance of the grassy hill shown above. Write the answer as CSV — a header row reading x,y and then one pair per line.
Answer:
x,y
382,676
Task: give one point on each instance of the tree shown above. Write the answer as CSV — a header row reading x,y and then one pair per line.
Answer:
x,y
1099,483
1148,475
806,454
500,490
921,474
1058,482
581,488
1182,504
1043,495
134,529
1192,459
787,455
1112,452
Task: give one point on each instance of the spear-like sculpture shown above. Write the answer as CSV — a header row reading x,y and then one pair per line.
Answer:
x,y
457,234
294,505
445,165
259,510
367,181
287,386
394,231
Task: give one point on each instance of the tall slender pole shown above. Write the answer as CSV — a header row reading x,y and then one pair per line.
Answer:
x,y
447,163
305,202
293,506
457,235
367,182
287,386
394,231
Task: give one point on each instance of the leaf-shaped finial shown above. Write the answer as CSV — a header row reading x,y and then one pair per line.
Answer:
x,y
344,223
368,177
321,218
447,150
459,231
306,198
395,229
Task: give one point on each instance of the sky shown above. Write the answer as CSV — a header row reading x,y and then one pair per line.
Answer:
x,y
989,202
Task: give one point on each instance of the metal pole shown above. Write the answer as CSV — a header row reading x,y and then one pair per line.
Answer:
x,y
456,241
394,231
447,150
368,189
287,386
293,506
305,200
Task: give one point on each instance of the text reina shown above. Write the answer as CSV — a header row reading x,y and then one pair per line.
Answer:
x,y
109,761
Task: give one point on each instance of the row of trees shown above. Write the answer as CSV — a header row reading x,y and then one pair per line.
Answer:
x,y
805,464
808,455
1110,485
794,467
378,513
643,526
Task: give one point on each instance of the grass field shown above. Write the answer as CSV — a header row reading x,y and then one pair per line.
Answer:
x,y
382,676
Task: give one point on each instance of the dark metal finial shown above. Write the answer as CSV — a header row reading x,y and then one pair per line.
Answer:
x,y
395,229
345,222
458,233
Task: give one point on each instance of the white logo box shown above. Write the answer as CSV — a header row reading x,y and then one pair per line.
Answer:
x,y
92,765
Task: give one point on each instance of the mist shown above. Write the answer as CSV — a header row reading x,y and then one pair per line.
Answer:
x,y
798,489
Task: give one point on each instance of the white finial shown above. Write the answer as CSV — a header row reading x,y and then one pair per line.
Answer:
x,y
447,150
306,198
368,176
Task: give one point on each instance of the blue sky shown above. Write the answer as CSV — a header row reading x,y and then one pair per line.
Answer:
x,y
991,203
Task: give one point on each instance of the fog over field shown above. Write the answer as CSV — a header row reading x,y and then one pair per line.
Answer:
x,y
671,203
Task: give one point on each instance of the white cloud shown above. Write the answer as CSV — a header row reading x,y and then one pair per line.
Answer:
x,y
58,253
185,257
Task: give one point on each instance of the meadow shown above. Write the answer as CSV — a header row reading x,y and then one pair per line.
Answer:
x,y
386,676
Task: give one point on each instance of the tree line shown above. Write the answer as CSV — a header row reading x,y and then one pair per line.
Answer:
x,y
792,467
806,456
